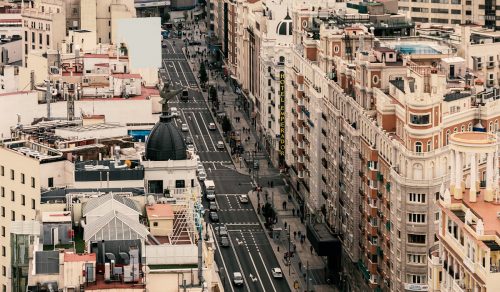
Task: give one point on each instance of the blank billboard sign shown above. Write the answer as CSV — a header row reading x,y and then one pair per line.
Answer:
x,y
143,39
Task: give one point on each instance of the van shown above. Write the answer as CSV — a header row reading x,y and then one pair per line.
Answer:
x,y
210,189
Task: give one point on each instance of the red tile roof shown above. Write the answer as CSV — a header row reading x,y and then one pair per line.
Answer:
x,y
160,211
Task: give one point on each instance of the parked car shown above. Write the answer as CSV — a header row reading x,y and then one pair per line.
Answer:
x,y
190,147
237,279
221,231
189,140
202,175
200,168
220,145
212,127
214,217
174,112
244,199
277,273
213,206
184,128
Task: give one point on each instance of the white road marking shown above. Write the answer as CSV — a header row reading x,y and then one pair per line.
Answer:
x,y
255,267
223,262
166,69
239,264
205,125
201,134
189,129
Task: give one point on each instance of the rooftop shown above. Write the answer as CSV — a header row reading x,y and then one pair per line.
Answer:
x,y
474,138
73,257
160,211
57,216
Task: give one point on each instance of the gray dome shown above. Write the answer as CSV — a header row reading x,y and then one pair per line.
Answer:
x,y
165,142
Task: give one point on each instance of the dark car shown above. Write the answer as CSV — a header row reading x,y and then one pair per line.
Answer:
x,y
189,140
214,217
195,43
213,206
163,45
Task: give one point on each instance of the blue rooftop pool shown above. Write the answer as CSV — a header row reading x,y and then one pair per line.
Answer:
x,y
415,49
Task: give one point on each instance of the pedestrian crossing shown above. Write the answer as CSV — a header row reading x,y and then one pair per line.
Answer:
x,y
235,210
219,161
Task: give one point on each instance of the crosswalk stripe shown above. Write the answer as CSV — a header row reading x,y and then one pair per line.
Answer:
x,y
221,161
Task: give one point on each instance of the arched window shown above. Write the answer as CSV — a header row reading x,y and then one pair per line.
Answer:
x,y
463,128
447,141
469,127
418,146
282,59
429,145
496,125
455,130
490,127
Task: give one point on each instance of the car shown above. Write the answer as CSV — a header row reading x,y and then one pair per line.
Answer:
x,y
174,112
189,140
200,168
212,127
237,279
221,231
214,217
202,175
244,199
213,206
220,145
195,43
277,273
224,241
190,147
184,128
163,45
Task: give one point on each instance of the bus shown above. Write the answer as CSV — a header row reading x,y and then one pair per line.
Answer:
x,y
168,25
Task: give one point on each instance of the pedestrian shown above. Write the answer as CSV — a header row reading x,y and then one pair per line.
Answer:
x,y
299,234
301,240
272,185
286,224
300,266
311,249
294,234
284,205
293,211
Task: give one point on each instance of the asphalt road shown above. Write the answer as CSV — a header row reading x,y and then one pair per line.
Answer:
x,y
250,252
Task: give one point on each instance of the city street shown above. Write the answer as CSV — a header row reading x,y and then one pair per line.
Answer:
x,y
249,252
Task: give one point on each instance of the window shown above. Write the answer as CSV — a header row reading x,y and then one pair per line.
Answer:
x,y
75,11
416,198
23,217
2,192
4,251
12,174
50,182
12,196
23,200
436,216
420,119
2,170
418,147
13,215
155,224
418,259
180,183
3,211
416,238
23,180
33,204
40,38
429,145
3,231
4,271
48,40
32,37
416,218
32,182
416,279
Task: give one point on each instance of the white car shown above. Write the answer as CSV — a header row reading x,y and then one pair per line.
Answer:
x,y
174,112
190,147
237,279
243,199
212,127
200,168
184,128
220,145
277,273
202,176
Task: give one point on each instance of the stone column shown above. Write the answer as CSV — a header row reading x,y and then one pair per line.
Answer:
x,y
488,196
452,172
458,176
473,178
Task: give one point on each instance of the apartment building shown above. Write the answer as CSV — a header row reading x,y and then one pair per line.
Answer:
x,y
10,20
481,12
376,117
25,170
44,24
466,256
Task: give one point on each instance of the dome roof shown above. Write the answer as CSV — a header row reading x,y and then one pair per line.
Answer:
x,y
285,26
165,142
